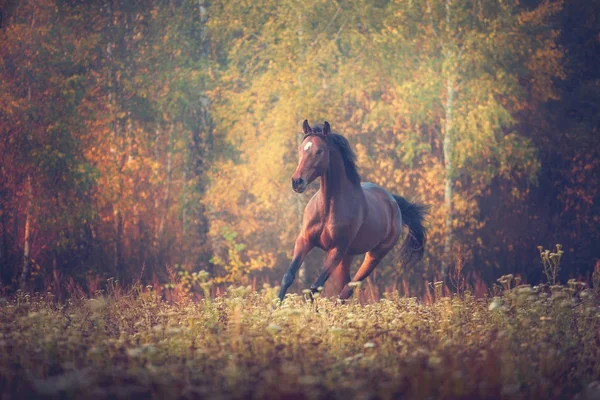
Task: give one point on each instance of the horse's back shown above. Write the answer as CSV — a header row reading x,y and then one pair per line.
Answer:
x,y
376,194
382,222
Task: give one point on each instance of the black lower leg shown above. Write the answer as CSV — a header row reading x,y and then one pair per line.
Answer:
x,y
332,260
288,277
318,283
346,292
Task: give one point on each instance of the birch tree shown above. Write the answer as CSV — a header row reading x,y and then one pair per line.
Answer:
x,y
480,64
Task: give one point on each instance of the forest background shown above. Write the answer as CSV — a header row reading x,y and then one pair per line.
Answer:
x,y
145,139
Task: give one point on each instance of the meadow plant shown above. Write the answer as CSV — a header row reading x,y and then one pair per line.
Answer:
x,y
551,262
529,342
596,279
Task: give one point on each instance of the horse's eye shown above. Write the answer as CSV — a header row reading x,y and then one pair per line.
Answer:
x,y
320,151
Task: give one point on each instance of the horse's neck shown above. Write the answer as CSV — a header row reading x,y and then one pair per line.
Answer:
x,y
335,185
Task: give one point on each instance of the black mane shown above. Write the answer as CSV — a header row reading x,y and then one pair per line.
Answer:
x,y
341,144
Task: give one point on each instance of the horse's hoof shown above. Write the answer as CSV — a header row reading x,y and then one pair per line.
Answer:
x,y
277,303
345,294
316,289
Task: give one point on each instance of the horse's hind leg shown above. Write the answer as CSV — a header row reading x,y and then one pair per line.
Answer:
x,y
371,260
333,259
341,274
374,257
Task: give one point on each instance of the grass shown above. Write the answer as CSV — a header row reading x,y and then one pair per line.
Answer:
x,y
541,342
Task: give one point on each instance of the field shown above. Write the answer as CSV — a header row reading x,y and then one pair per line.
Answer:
x,y
527,342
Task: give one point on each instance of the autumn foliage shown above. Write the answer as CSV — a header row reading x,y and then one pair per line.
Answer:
x,y
139,140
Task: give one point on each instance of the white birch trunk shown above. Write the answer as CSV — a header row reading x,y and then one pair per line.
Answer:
x,y
449,169
448,144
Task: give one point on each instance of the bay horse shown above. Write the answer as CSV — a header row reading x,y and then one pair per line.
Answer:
x,y
346,217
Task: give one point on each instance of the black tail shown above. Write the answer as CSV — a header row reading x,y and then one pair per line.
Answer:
x,y
413,216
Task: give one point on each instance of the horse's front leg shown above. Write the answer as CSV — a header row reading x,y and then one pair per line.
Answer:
x,y
301,249
334,257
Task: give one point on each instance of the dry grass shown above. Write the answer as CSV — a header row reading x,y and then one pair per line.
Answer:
x,y
539,342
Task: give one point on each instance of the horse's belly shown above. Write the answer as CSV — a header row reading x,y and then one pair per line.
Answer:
x,y
361,246
367,238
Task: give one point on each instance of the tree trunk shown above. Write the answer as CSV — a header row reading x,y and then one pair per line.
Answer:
x,y
118,146
166,200
448,145
26,271
449,167
3,263
27,239
118,250
184,200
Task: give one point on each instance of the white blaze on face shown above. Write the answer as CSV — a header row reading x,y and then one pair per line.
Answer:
x,y
308,146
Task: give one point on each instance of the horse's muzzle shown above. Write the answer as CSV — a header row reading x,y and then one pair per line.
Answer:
x,y
298,185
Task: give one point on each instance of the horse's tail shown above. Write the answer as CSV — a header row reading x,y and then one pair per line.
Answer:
x,y
413,216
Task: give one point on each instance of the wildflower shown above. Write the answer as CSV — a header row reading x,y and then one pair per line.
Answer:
x,y
203,274
524,289
354,357
136,352
308,380
505,278
433,361
97,305
495,304
95,351
369,345
336,331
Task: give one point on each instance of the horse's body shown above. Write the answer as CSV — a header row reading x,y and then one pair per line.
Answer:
x,y
368,209
346,218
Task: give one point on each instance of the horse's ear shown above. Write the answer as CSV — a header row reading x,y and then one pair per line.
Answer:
x,y
306,128
326,128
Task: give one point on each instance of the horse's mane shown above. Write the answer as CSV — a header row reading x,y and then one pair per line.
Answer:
x,y
341,144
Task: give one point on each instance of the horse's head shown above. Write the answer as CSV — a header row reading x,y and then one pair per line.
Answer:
x,y
313,156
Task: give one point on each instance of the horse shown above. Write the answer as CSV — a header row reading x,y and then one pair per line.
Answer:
x,y
345,217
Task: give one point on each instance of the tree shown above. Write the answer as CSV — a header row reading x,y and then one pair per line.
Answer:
x,y
106,136
478,67
44,175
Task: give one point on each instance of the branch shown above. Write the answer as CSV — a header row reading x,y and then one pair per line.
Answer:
x,y
435,33
337,11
